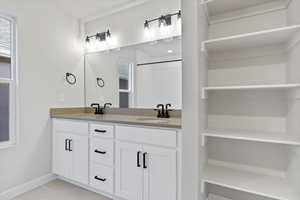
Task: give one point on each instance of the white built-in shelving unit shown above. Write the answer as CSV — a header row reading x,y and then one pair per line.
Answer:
x,y
252,135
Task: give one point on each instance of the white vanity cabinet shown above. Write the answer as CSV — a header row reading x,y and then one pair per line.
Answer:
x,y
119,161
129,171
146,163
70,150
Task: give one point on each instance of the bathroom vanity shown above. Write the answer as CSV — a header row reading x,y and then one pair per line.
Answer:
x,y
125,155
119,156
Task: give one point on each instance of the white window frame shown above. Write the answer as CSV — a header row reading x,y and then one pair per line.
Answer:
x,y
13,83
130,89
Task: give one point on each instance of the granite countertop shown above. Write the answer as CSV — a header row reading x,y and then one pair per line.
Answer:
x,y
173,122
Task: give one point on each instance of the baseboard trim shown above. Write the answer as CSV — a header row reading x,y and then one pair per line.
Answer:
x,y
26,187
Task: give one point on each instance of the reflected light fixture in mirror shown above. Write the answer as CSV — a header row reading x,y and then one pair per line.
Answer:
x,y
100,41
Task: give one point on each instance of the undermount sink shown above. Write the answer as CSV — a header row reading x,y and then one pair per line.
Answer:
x,y
152,119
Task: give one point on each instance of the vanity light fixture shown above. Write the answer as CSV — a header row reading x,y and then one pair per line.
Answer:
x,y
99,36
146,25
164,20
179,15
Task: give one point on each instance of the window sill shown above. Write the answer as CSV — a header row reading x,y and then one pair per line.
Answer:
x,y
6,145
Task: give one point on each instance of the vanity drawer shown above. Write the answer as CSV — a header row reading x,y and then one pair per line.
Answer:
x,y
99,130
69,126
102,151
154,136
101,178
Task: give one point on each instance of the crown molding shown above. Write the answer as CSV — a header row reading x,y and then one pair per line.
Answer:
x,y
113,11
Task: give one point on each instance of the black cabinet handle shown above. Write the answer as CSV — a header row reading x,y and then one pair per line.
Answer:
x,y
138,159
66,144
144,160
70,143
101,152
100,131
100,179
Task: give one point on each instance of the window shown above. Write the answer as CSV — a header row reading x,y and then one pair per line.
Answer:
x,y
125,84
8,82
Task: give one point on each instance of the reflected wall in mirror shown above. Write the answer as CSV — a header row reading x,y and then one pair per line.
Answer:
x,y
139,76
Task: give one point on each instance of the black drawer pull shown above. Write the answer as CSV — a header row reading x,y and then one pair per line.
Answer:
x,y
138,164
100,179
144,160
101,152
66,145
100,131
70,145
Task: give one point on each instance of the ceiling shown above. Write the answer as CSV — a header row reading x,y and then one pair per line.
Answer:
x,y
85,8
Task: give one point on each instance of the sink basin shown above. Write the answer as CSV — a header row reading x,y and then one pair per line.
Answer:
x,y
152,119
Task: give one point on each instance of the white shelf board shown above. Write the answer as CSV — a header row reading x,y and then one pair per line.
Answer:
x,y
263,185
225,10
248,40
248,87
255,136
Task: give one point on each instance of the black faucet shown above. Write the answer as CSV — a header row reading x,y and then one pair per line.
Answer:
x,y
106,105
163,111
167,114
98,109
160,110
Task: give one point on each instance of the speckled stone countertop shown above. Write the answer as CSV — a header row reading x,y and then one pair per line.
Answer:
x,y
130,119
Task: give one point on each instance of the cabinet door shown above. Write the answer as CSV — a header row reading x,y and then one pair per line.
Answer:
x,y
62,157
129,174
160,173
80,158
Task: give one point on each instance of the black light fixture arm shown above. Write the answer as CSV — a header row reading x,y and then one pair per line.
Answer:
x,y
99,36
162,18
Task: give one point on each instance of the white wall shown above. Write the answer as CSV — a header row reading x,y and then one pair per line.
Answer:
x,y
159,83
127,27
47,47
193,113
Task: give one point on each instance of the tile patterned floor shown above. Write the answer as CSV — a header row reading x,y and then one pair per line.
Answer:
x,y
60,190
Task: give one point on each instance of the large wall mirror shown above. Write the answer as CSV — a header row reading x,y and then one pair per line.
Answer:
x,y
139,76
